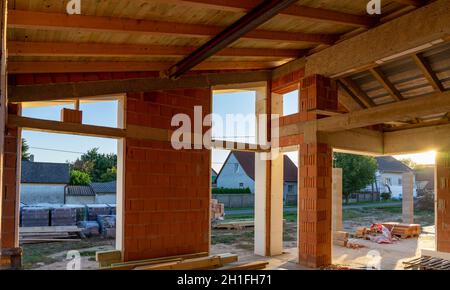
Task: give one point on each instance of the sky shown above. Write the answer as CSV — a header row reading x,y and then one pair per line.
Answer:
x,y
48,147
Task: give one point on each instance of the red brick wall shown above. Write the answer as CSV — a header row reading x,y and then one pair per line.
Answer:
x,y
315,177
167,191
9,198
443,201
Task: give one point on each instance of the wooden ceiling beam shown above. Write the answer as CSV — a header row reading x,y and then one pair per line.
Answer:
x,y
415,3
428,72
26,48
64,91
297,11
387,84
25,67
78,23
358,92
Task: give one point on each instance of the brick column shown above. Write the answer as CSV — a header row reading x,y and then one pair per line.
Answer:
x,y
442,185
315,176
408,198
10,196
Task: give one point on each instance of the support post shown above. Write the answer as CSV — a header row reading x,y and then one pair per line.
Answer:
x,y
337,199
268,185
442,189
315,176
408,198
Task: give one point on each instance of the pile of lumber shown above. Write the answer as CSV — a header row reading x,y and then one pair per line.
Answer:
x,y
199,261
361,232
340,238
403,231
34,235
217,210
237,225
427,263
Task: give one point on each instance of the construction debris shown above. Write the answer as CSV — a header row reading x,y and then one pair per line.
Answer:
x,y
33,235
238,225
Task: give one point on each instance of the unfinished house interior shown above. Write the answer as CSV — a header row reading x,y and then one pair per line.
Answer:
x,y
367,84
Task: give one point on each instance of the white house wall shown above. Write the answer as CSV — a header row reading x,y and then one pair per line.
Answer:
x,y
41,193
102,198
228,178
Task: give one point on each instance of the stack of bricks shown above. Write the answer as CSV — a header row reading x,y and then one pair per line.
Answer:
x,y
443,201
315,176
167,191
63,216
217,210
35,217
93,210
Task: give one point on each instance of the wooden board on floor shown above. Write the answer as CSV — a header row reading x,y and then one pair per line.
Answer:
x,y
209,262
257,265
133,264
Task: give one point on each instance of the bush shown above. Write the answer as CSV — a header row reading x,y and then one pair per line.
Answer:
x,y
231,190
425,201
386,196
79,178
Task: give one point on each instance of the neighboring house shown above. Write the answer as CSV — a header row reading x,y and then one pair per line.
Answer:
x,y
213,178
238,171
79,194
389,176
95,193
43,182
105,192
425,179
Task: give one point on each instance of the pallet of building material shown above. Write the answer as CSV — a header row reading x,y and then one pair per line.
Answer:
x,y
235,225
204,263
106,221
93,210
404,230
63,216
89,228
133,264
35,216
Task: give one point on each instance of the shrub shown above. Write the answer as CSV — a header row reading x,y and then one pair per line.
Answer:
x,y
79,178
231,190
386,196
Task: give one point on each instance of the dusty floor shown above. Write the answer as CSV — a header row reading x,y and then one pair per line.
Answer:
x,y
240,242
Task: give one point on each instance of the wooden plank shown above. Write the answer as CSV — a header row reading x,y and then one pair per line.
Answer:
x,y
390,88
415,3
26,48
194,264
98,88
133,264
108,256
428,72
65,22
28,67
3,95
56,229
392,39
257,265
67,128
357,92
297,11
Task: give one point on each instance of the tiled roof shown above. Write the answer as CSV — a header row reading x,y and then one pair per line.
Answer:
x,y
42,172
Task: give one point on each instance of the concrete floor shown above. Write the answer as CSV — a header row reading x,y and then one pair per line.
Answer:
x,y
382,256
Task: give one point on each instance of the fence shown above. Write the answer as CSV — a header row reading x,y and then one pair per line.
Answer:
x,y
235,200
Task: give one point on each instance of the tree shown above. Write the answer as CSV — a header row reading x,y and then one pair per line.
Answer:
x,y
100,167
358,172
409,162
79,178
26,156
